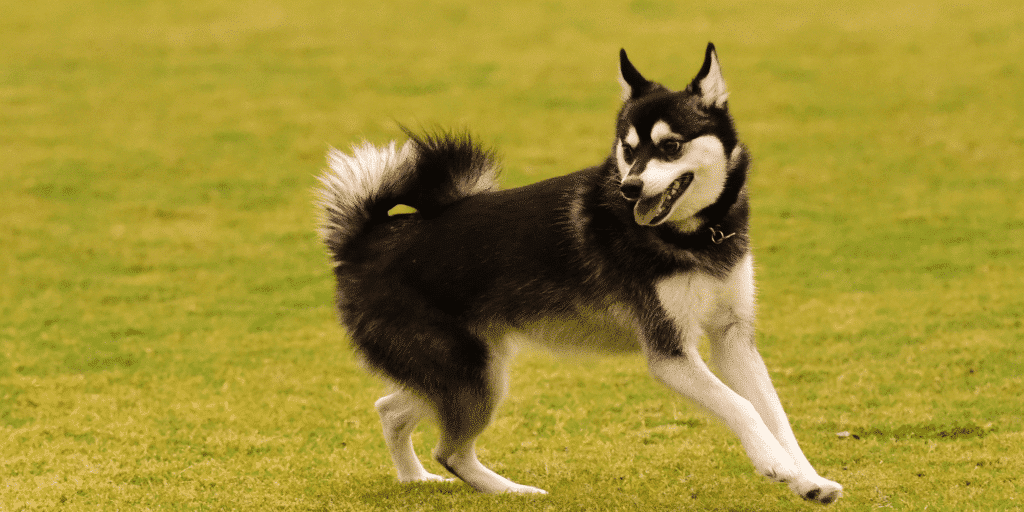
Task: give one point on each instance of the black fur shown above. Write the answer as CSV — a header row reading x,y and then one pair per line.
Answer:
x,y
462,264
474,262
443,161
429,297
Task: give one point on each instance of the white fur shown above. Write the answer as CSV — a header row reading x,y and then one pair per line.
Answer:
x,y
367,170
705,158
724,310
350,178
627,90
462,459
691,224
612,329
620,160
459,455
399,413
712,87
659,174
662,131
632,139
370,169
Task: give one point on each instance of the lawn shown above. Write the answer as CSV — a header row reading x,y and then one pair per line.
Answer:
x,y
167,339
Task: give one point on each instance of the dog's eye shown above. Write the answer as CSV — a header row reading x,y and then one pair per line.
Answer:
x,y
627,153
671,147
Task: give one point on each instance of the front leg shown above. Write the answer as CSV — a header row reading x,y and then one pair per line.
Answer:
x,y
751,408
735,356
687,375
742,367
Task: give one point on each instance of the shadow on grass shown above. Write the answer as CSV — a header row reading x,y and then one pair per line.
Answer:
x,y
388,494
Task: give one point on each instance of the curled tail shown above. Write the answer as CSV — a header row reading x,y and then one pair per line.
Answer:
x,y
427,173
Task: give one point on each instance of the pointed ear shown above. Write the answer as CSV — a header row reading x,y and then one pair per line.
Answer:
x,y
633,83
709,84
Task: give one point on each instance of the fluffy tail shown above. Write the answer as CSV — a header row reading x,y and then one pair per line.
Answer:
x,y
427,173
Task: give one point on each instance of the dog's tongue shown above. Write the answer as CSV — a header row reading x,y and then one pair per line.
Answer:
x,y
647,209
652,210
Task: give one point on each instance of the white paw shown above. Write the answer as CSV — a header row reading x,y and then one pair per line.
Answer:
x,y
784,470
816,488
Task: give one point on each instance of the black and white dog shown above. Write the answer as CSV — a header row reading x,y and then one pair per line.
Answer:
x,y
648,250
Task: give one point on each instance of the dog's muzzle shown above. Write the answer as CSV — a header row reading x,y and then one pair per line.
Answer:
x,y
651,211
632,188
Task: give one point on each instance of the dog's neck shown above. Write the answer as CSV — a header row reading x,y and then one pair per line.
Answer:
x,y
720,223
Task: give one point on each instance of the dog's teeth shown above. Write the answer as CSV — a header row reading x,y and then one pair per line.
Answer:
x,y
667,196
664,201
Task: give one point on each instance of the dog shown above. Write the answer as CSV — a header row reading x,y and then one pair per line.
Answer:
x,y
647,251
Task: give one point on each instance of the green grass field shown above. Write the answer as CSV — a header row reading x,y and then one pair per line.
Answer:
x,y
167,339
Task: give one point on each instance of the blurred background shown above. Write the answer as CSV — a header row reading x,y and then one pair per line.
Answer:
x,y
166,331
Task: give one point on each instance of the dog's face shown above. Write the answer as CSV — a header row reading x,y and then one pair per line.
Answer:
x,y
674,149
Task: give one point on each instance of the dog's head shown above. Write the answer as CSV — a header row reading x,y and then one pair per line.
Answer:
x,y
674,150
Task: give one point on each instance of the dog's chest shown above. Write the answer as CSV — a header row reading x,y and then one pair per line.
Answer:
x,y
697,300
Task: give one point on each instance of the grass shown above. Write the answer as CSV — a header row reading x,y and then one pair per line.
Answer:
x,y
167,340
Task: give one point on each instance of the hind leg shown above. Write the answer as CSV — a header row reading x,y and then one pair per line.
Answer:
x,y
465,415
458,377
464,410
399,414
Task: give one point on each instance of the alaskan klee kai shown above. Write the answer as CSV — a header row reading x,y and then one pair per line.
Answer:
x,y
648,251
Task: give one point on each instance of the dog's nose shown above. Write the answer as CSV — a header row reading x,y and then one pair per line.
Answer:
x,y
631,188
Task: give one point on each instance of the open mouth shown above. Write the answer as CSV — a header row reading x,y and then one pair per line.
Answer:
x,y
650,211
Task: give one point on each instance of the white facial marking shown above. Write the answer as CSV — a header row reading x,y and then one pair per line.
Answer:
x,y
659,174
620,158
632,138
662,131
705,158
